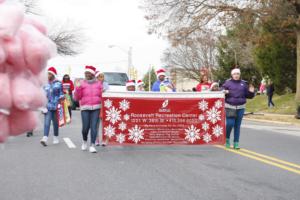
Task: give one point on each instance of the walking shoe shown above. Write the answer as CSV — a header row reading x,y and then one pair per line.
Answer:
x,y
236,146
97,143
227,143
84,146
44,141
55,140
29,134
93,149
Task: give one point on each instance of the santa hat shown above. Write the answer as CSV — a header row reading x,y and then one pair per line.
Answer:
x,y
97,73
90,69
236,71
214,84
161,72
52,71
130,83
140,82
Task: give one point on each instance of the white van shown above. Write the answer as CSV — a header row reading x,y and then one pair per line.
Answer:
x,y
116,81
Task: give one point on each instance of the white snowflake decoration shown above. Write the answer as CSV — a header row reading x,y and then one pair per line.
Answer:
x,y
218,104
109,131
203,105
213,115
120,138
122,126
207,138
205,126
218,131
136,134
192,134
124,105
201,117
113,115
107,103
126,117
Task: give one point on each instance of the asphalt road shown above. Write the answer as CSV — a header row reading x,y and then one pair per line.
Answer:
x,y
29,171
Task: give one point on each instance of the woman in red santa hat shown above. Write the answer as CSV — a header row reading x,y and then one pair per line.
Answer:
x,y
140,85
89,94
162,84
130,86
55,94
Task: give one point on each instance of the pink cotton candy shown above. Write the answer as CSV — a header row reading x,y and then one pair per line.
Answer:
x,y
26,95
42,78
15,53
11,19
5,95
35,22
37,48
4,128
2,54
22,121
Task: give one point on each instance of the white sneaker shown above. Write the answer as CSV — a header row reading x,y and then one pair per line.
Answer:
x,y
92,149
84,146
44,141
55,140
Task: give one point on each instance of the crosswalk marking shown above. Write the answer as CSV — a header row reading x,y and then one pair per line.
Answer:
x,y
69,143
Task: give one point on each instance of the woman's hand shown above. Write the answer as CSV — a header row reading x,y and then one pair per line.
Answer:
x,y
78,84
226,91
251,88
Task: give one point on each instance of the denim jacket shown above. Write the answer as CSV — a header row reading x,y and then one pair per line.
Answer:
x,y
54,92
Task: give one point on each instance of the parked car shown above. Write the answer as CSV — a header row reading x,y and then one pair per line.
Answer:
x,y
116,81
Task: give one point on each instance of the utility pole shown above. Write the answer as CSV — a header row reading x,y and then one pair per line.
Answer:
x,y
150,70
129,70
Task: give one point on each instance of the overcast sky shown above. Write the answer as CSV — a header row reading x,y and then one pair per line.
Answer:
x,y
106,22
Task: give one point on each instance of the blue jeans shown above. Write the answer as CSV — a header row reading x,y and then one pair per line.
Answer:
x,y
270,101
235,123
50,116
90,120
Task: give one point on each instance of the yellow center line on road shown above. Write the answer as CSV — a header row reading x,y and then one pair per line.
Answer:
x,y
263,159
271,158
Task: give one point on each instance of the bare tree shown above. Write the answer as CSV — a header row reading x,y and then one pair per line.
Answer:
x,y
31,6
68,38
192,56
181,19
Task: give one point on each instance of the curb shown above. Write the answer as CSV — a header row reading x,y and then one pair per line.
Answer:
x,y
269,121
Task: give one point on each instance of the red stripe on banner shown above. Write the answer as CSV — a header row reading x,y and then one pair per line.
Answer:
x,y
159,120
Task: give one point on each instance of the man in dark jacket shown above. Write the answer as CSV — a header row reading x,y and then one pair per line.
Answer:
x,y
270,92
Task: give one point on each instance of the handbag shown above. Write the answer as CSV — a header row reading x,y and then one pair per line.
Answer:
x,y
231,113
60,113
